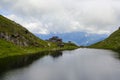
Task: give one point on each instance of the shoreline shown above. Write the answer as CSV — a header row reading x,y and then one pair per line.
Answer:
x,y
16,61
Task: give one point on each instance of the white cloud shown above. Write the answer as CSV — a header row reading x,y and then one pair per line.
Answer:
x,y
34,26
46,16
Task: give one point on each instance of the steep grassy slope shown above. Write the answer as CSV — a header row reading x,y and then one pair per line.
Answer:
x,y
13,32
112,42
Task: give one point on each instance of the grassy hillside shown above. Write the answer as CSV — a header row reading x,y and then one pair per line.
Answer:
x,y
13,32
17,40
112,42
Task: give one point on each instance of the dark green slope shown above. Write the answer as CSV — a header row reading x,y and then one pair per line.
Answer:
x,y
112,42
15,33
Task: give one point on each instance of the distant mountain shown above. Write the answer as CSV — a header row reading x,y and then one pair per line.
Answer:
x,y
80,38
112,42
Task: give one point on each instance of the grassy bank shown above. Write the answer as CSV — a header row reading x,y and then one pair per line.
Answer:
x,y
10,49
111,43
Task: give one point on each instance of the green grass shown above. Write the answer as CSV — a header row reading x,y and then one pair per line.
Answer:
x,y
10,49
112,42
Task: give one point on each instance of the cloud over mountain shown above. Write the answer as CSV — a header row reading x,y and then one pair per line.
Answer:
x,y
60,16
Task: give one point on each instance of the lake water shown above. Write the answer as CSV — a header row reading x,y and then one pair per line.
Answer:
x,y
80,64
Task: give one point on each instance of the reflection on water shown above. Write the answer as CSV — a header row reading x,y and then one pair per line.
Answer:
x,y
80,64
18,61
56,54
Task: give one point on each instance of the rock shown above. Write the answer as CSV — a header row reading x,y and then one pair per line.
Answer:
x,y
2,35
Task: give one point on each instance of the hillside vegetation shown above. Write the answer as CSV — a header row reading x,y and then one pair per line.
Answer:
x,y
112,42
13,32
17,40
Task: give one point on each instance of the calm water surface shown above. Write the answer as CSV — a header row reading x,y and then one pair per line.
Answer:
x,y
80,64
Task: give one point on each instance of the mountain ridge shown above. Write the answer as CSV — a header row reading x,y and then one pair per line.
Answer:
x,y
80,38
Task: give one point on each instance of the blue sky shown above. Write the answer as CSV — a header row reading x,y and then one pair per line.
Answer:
x,y
63,16
4,12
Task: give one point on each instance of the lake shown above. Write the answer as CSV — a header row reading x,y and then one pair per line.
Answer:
x,y
79,64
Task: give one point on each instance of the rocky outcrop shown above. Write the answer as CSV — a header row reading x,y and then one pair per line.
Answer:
x,y
15,38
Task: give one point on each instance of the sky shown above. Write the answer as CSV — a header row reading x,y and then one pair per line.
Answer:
x,y
64,16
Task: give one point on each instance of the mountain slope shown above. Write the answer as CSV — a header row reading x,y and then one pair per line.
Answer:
x,y
112,42
15,33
